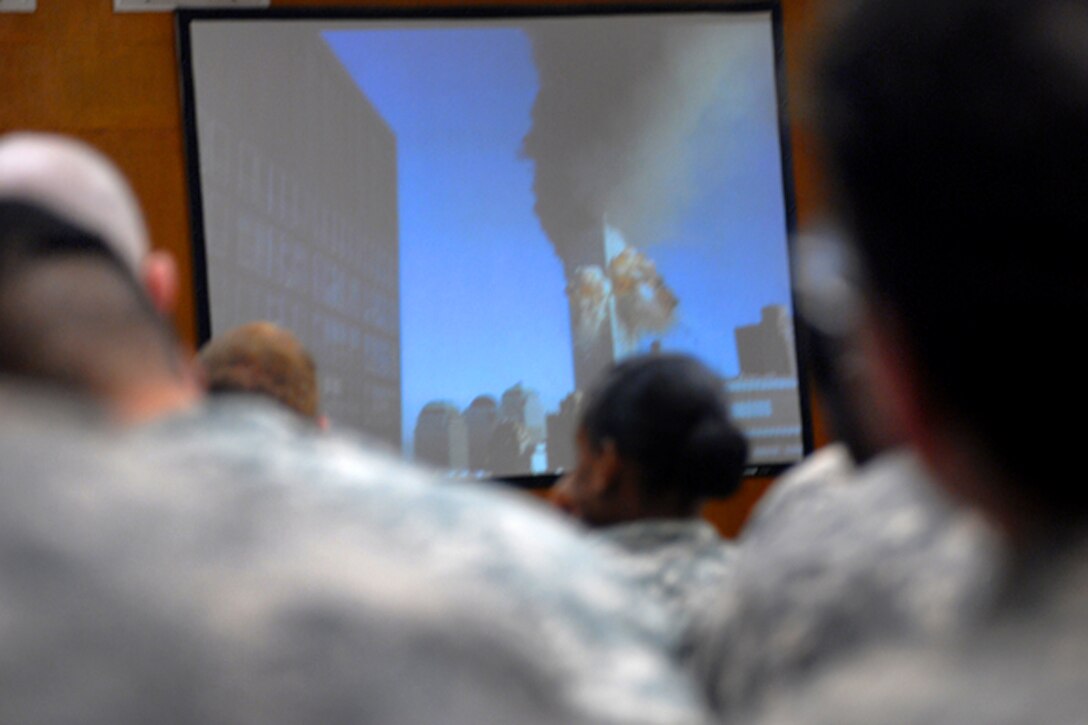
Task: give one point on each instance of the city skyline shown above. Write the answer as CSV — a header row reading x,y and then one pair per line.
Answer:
x,y
483,303
763,399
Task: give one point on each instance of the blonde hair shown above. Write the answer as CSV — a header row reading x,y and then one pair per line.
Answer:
x,y
262,358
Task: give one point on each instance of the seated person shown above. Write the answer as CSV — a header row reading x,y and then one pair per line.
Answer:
x,y
86,325
73,316
265,359
826,291
853,545
655,440
83,297
133,593
956,134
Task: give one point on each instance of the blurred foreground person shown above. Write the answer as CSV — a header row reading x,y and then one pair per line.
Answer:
x,y
654,442
612,655
133,594
852,546
957,137
515,560
825,286
82,296
262,358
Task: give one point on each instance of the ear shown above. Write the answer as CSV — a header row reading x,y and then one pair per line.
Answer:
x,y
160,280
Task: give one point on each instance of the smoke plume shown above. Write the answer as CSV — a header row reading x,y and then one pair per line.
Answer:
x,y
612,124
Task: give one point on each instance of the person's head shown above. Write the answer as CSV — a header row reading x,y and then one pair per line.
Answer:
x,y
264,359
73,316
956,135
79,184
655,440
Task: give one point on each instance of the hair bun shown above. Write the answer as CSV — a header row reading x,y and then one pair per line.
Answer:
x,y
713,458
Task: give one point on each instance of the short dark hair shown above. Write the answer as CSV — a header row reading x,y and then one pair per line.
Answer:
x,y
668,413
71,311
957,139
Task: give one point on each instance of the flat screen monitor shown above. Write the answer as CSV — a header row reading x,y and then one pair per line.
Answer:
x,y
468,214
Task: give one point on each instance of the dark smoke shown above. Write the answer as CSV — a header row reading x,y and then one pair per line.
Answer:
x,y
612,121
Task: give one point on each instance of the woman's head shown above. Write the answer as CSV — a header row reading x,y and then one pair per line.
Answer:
x,y
655,440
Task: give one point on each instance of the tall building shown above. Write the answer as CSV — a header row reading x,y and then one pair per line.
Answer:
x,y
562,429
765,398
592,308
510,451
767,348
441,437
481,418
304,234
522,405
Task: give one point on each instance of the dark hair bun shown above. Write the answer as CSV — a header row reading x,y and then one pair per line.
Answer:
x,y
712,459
668,414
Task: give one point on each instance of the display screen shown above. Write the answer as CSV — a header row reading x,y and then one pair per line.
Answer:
x,y
466,216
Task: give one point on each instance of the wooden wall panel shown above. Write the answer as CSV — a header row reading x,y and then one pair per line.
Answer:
x,y
76,67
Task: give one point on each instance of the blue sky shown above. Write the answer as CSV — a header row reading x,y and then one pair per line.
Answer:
x,y
482,301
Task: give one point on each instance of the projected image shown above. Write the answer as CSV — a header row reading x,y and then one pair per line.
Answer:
x,y
473,218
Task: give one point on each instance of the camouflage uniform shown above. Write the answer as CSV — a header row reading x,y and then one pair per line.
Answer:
x,y
137,594
1028,663
830,467
839,565
683,563
516,558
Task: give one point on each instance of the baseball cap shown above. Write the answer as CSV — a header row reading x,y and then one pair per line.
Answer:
x,y
78,183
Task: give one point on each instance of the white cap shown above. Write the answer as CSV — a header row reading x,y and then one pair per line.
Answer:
x,y
77,183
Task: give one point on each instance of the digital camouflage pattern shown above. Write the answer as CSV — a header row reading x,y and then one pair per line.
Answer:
x,y
131,593
520,561
682,563
837,565
830,467
1028,663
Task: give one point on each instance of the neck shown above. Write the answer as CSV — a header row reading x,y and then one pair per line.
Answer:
x,y
143,402
660,506
970,478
